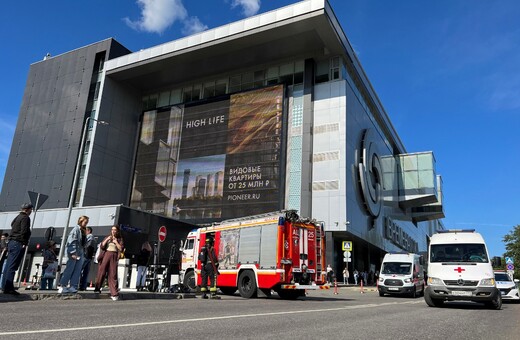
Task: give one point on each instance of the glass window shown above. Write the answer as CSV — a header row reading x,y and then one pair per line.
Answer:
x,y
164,99
221,87
425,161
209,89
322,71
287,69
176,96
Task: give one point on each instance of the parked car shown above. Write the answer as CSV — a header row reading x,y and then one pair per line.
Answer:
x,y
508,287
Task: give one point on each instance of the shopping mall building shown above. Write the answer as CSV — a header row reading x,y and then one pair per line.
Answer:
x,y
268,113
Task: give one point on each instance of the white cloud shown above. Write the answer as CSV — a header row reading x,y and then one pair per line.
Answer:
x,y
158,15
249,7
193,25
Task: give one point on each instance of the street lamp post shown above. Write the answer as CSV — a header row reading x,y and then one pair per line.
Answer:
x,y
73,193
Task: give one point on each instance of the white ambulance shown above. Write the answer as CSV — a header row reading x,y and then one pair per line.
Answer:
x,y
401,273
459,268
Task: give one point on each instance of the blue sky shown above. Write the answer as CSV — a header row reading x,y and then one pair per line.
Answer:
x,y
447,72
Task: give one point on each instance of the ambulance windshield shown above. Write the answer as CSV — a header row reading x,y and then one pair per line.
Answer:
x,y
396,268
459,252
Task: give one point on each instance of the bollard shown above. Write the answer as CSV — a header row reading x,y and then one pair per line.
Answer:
x,y
335,287
362,291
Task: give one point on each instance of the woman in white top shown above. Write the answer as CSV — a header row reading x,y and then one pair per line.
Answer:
x,y
113,246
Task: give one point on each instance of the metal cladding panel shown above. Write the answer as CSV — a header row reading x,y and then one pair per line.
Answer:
x,y
268,246
249,245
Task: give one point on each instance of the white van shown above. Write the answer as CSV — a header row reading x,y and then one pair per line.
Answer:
x,y
401,273
459,268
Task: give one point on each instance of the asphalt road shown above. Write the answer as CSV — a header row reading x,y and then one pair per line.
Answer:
x,y
322,315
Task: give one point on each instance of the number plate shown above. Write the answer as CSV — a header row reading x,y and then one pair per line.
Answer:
x,y
460,293
391,288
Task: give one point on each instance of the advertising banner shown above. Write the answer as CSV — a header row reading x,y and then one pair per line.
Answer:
x,y
213,160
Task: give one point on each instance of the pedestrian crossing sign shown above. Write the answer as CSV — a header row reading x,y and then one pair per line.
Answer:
x,y
346,245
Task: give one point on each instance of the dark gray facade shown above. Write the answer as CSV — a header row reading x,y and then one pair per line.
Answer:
x,y
58,97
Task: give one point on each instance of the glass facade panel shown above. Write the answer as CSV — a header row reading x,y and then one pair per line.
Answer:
x,y
176,96
164,99
425,161
426,179
409,162
411,180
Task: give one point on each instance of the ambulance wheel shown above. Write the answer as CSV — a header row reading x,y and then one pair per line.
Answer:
x,y
381,293
228,290
247,284
432,302
189,281
496,303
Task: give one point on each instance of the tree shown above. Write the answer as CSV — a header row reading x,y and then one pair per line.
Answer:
x,y
512,241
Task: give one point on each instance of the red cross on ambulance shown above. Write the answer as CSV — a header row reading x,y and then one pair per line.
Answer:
x,y
459,270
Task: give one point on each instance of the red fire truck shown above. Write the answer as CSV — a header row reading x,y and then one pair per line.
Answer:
x,y
278,252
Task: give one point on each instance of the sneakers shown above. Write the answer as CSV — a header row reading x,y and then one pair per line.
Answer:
x,y
115,298
63,290
66,290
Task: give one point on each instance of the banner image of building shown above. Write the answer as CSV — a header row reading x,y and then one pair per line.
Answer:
x,y
268,113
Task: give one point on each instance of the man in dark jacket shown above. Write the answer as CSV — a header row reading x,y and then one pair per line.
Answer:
x,y
18,240
208,262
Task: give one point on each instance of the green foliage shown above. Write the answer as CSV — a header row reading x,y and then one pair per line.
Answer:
x,y
512,241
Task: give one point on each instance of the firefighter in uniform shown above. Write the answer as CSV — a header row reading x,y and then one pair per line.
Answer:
x,y
209,270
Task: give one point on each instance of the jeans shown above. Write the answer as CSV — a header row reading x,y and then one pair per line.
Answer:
x,y
72,272
141,276
46,284
85,270
2,274
14,257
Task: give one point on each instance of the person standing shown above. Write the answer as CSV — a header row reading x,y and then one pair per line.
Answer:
x,y
356,276
90,250
3,256
329,273
49,266
346,274
142,265
208,269
75,252
19,239
113,246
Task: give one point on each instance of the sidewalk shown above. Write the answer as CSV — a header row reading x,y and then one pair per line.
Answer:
x,y
128,294
124,294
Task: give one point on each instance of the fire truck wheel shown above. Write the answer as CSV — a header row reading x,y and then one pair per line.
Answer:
x,y
189,281
247,284
228,290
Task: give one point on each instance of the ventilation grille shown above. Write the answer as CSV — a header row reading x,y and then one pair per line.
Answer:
x,y
325,156
325,185
326,128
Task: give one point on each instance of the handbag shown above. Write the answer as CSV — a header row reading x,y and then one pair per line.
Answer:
x,y
50,271
100,254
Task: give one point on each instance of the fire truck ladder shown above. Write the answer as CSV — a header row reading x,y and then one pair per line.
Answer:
x,y
252,217
318,255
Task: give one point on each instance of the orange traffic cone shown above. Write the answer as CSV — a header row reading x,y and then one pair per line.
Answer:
x,y
362,291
